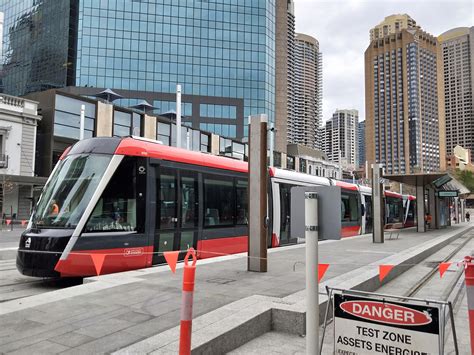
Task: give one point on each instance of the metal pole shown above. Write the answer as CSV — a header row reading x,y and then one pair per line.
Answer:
x,y
81,123
312,289
178,116
453,328
271,145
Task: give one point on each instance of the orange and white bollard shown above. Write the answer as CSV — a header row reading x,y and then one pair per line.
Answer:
x,y
469,276
187,303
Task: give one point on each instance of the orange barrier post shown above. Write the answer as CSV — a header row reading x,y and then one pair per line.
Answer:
x,y
469,275
187,303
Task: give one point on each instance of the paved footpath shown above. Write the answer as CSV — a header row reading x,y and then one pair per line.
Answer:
x,y
115,311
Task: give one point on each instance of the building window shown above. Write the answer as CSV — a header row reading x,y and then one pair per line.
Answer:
x,y
303,165
67,117
126,123
163,133
290,162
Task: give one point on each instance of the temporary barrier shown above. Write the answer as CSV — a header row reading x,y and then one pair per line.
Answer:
x,y
372,323
187,303
469,276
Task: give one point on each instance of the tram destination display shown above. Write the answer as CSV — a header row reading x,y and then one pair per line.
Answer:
x,y
367,326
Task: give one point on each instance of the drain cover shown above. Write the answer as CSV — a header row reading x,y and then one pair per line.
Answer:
x,y
220,281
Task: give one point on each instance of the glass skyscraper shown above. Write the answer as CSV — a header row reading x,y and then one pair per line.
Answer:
x,y
220,51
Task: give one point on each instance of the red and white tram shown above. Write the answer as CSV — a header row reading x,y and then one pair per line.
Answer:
x,y
128,200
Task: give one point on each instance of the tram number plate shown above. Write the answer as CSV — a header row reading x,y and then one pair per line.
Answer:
x,y
366,326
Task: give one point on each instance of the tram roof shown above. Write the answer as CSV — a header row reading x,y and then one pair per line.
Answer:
x,y
145,148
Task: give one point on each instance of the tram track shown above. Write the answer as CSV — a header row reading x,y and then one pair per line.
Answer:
x,y
429,276
15,286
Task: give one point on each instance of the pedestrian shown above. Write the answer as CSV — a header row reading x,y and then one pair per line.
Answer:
x,y
468,216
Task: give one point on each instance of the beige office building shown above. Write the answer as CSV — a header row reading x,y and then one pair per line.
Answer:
x,y
457,50
405,128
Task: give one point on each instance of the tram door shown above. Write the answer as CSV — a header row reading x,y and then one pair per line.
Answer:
x,y
368,214
177,208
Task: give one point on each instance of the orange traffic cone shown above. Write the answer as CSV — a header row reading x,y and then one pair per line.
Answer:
x,y
187,304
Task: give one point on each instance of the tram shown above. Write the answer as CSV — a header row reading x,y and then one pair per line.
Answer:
x,y
128,200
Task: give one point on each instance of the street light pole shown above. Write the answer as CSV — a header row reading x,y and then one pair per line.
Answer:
x,y
81,123
178,116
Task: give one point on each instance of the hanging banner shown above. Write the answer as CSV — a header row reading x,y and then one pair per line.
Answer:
x,y
366,326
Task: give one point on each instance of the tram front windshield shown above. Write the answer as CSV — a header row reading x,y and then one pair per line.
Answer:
x,y
70,189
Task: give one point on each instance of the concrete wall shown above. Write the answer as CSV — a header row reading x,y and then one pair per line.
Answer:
x,y
104,120
149,127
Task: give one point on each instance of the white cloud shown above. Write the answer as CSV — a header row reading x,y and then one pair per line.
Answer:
x,y
342,29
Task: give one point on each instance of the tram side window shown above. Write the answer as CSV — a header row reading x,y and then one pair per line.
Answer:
x,y
189,201
241,197
394,208
167,197
117,207
218,201
349,208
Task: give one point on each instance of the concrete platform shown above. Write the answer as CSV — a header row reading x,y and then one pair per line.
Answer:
x,y
138,311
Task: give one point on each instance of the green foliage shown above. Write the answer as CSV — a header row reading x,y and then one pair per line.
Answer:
x,y
466,177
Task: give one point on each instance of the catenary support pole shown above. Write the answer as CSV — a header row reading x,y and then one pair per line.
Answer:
x,y
178,116
312,289
257,247
456,210
377,204
187,303
81,122
469,276
420,208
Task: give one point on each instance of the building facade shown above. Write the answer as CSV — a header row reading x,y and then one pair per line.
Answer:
x,y
18,183
304,126
390,25
405,129
341,138
457,50
219,52
285,71
361,145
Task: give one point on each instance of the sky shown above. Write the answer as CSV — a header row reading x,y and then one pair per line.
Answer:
x,y
342,29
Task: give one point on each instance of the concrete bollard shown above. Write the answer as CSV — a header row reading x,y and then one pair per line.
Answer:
x,y
187,303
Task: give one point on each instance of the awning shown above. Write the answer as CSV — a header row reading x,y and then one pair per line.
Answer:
x,y
415,179
23,180
440,181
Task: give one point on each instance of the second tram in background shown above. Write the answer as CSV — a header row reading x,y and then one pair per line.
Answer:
x,y
125,201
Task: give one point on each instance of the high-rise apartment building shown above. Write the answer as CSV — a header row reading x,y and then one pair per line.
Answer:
x,y
361,144
284,71
221,52
404,100
340,142
304,126
457,51
390,25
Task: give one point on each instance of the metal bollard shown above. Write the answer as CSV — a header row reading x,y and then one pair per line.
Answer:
x,y
312,288
187,303
469,277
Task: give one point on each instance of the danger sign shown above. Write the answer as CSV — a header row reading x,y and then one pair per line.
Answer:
x,y
370,326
